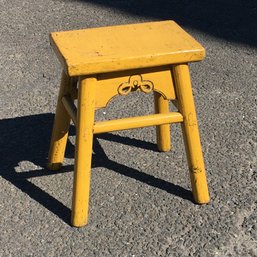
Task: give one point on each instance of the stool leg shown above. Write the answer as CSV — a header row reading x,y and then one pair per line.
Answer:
x,y
83,155
191,133
162,131
60,128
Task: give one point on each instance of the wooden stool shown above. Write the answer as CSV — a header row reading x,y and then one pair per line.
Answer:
x,y
101,63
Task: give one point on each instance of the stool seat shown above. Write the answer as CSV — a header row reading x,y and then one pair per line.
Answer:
x,y
116,48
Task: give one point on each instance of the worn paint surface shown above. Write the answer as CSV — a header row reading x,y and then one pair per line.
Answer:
x,y
115,48
83,155
138,122
191,133
161,105
150,57
122,83
60,128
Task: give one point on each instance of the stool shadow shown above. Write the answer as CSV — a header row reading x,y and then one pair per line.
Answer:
x,y
231,20
127,141
101,159
27,139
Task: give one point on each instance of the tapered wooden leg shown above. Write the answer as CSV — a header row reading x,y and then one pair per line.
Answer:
x,y
190,132
162,131
83,155
60,128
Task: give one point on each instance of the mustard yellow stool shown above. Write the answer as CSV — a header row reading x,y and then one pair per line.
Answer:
x,y
101,63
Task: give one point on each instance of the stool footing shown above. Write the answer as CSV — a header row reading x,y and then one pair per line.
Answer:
x,y
60,128
54,166
190,133
162,131
83,155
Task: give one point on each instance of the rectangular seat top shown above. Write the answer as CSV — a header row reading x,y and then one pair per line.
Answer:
x,y
124,47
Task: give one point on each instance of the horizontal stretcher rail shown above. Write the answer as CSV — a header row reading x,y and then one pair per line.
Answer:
x,y
137,122
70,108
125,123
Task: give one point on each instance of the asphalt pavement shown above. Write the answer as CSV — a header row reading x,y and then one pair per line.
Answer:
x,y
141,202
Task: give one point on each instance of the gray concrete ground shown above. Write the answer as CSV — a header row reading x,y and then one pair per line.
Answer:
x,y
141,203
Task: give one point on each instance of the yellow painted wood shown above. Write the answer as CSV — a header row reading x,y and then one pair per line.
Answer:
x,y
116,48
137,122
114,61
147,80
83,155
162,131
60,128
191,133
70,108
